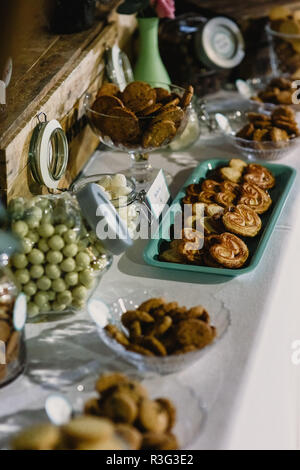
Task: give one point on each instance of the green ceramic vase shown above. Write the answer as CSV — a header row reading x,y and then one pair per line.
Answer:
x,y
149,67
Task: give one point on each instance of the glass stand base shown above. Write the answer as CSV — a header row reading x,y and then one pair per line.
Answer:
x,y
143,175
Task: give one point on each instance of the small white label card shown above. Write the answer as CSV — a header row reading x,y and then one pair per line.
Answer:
x,y
158,195
2,92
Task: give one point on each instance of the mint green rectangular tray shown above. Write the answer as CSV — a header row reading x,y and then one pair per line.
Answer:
x,y
285,176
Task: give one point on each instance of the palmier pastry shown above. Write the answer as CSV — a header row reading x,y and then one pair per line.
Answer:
x,y
242,220
193,189
226,186
210,185
192,241
172,256
207,196
259,175
213,210
225,199
255,197
189,199
228,250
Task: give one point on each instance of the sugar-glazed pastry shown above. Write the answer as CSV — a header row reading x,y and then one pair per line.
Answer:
x,y
207,196
226,186
192,241
225,199
193,189
210,185
228,250
242,220
255,197
259,175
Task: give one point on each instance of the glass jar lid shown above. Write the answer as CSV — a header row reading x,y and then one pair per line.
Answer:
x,y
48,152
220,44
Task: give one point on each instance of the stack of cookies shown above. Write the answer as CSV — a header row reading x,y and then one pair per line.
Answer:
x,y
141,422
160,328
141,116
278,91
231,200
279,127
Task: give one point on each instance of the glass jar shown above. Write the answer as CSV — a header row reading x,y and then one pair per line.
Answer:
x,y
12,320
284,53
61,261
127,205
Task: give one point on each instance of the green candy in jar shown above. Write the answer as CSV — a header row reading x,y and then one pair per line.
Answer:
x,y
43,245
70,236
58,285
54,257
16,207
30,288
56,243
32,309
60,229
64,297
51,295
19,261
27,245
52,271
68,265
82,260
86,277
20,228
46,230
33,236
70,250
80,293
36,271
71,279
41,300
57,307
22,276
43,283
36,256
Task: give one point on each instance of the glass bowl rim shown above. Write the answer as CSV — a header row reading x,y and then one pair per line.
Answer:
x,y
281,35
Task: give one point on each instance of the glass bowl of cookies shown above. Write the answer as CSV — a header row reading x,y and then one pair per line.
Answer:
x,y
261,135
152,331
139,120
269,92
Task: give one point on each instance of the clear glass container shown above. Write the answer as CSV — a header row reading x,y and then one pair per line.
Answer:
x,y
128,206
61,261
284,53
12,341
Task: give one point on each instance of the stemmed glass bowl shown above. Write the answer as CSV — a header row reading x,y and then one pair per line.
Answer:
x,y
141,170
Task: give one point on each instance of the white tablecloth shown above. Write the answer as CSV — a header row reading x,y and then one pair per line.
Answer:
x,y
247,384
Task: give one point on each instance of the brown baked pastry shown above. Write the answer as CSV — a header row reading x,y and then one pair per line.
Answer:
x,y
259,175
207,197
228,250
138,96
108,89
210,185
171,113
187,97
242,220
121,125
159,133
255,197
193,189
194,332
225,199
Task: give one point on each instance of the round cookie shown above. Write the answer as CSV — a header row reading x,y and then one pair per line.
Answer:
x,y
159,133
130,435
194,332
138,96
153,416
122,125
88,428
120,407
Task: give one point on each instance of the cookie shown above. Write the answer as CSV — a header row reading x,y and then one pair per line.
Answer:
x,y
187,97
210,185
242,220
153,416
122,125
278,135
154,108
130,435
170,409
152,304
87,429
198,312
260,176
208,197
159,133
38,437
139,95
108,381
162,441
5,331
246,132
138,349
162,94
92,407
255,197
133,388
108,89
135,329
161,326
105,103
231,174
120,407
172,113
193,189
228,250
225,199
116,334
154,345
213,209
136,315
194,332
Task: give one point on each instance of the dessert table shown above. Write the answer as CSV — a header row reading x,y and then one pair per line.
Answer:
x,y
246,388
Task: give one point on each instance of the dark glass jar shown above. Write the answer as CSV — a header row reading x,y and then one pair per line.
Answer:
x,y
70,16
200,50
